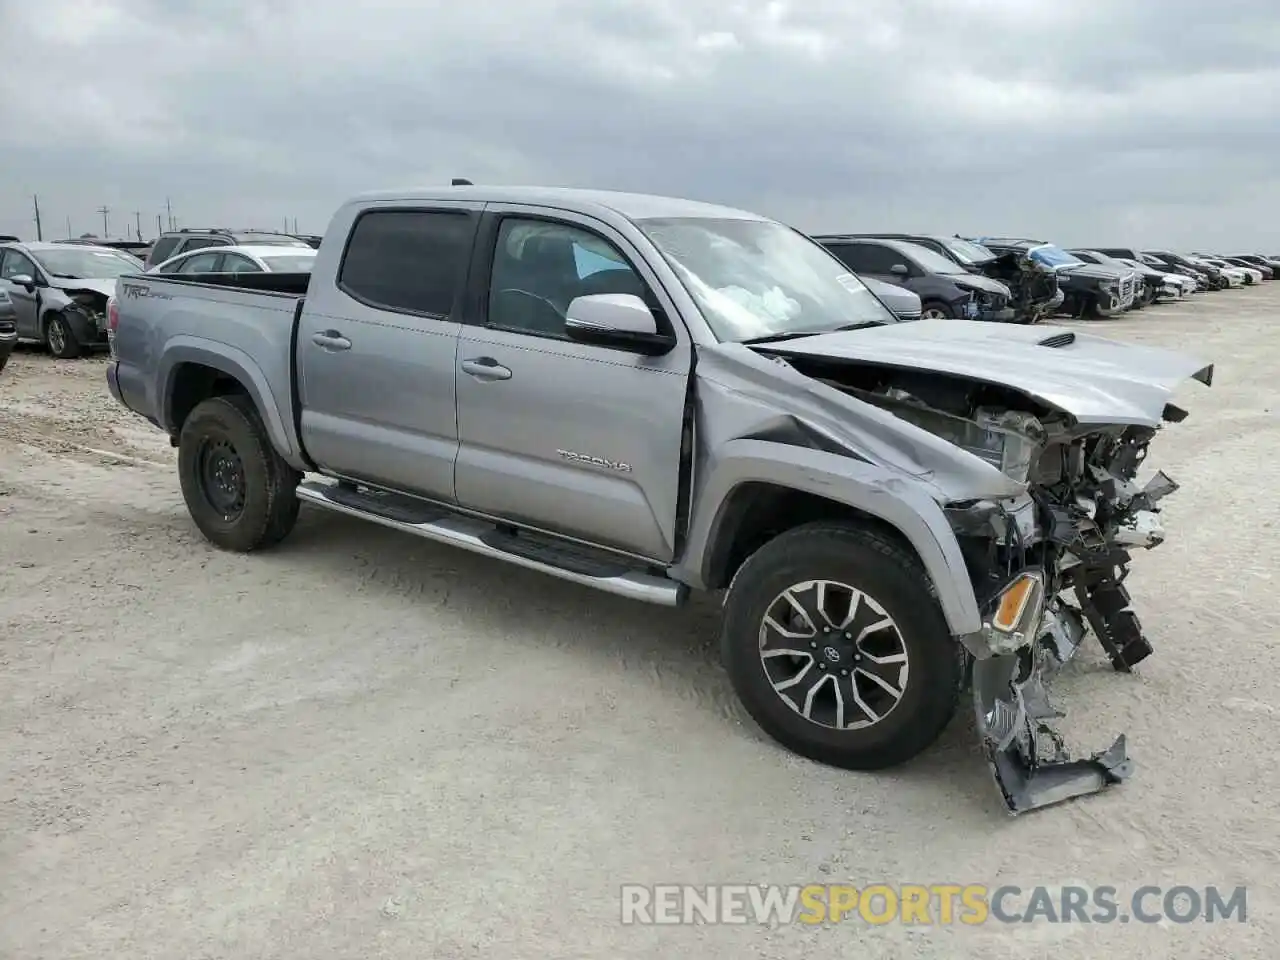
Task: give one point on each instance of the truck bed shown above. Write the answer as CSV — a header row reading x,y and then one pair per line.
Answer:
x,y
246,321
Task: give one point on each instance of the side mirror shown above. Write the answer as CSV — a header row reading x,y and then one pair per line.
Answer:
x,y
616,320
900,270
24,280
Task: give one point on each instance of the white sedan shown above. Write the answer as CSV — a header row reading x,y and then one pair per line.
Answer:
x,y
1235,276
246,259
1174,285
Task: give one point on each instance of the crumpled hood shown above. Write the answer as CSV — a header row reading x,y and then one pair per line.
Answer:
x,y
980,282
1094,380
105,287
1093,271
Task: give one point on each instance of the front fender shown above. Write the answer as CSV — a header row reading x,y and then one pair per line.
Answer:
x,y
903,504
234,363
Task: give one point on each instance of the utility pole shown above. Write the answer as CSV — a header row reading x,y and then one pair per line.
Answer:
x,y
68,228
159,226
169,210
106,230
39,228
137,218
295,225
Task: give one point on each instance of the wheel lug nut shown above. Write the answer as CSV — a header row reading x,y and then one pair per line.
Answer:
x,y
814,644
822,666
848,636
844,673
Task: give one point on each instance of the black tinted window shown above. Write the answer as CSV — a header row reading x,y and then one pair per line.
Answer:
x,y
199,243
411,260
163,249
867,257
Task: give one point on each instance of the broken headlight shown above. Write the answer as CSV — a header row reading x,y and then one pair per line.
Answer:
x,y
1008,440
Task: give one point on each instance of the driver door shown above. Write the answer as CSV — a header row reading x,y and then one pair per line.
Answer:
x,y
574,439
26,302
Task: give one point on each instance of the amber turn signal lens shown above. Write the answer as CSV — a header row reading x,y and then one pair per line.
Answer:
x,y
1013,602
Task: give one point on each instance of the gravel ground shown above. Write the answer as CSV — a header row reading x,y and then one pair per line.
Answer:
x,y
364,745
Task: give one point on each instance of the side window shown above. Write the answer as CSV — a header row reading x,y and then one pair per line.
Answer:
x,y
540,267
866,257
15,265
235,263
199,243
412,261
200,263
882,260
164,248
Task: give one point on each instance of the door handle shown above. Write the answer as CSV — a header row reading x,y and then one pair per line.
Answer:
x,y
331,340
485,368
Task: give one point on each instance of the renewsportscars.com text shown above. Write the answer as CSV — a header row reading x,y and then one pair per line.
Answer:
x,y
927,904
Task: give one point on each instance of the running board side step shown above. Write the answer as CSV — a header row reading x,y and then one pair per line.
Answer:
x,y
541,553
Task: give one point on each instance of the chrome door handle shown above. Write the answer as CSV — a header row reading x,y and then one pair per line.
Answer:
x,y
331,340
485,368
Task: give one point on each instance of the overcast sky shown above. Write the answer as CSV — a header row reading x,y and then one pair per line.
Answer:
x,y
1106,123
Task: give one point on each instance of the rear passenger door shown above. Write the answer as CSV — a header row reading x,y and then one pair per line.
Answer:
x,y
376,349
575,439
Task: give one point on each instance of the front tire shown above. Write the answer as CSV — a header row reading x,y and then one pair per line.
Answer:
x,y
936,310
239,491
836,646
59,338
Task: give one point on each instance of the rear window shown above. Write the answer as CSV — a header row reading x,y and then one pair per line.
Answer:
x,y
408,260
163,249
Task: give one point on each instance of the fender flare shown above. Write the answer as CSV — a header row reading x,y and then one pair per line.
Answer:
x,y
903,503
234,363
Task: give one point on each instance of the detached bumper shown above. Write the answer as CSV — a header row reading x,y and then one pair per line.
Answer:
x,y
88,330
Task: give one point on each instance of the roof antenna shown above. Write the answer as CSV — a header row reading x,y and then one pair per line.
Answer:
x,y
459,182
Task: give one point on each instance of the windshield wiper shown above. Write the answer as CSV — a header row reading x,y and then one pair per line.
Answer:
x,y
794,334
779,337
65,276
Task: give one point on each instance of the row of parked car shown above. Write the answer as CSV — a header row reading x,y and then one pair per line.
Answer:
x,y
1017,280
56,292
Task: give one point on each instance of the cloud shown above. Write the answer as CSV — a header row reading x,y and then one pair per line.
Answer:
x,y
1091,122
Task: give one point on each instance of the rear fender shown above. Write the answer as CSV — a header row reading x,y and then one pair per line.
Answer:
x,y
234,363
905,505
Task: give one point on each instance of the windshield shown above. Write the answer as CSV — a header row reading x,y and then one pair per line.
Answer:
x,y
758,278
967,252
930,260
86,264
1053,256
293,263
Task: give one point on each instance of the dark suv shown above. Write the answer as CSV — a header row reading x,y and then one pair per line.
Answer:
x,y
183,241
945,288
1033,285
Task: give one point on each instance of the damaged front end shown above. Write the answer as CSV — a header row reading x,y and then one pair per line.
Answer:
x,y
1034,286
87,312
1047,569
1047,566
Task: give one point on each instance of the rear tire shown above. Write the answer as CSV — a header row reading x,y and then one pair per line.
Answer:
x,y
853,720
59,339
239,490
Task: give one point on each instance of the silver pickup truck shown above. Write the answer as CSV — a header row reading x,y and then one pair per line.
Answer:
x,y
651,396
